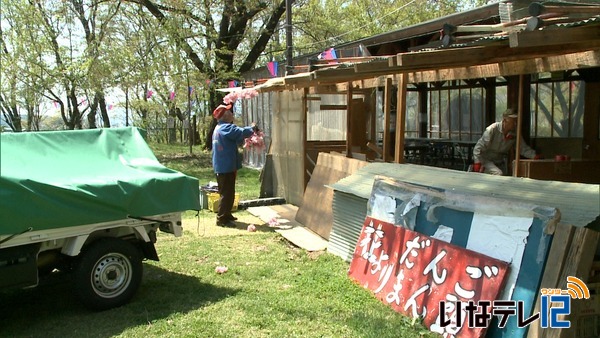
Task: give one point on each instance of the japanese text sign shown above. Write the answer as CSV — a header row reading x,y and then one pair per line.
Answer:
x,y
415,273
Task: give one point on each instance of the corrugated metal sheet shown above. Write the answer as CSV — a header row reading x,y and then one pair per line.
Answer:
x,y
588,21
349,212
579,204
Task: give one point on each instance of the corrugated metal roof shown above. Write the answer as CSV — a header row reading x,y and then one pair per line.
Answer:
x,y
485,40
592,20
349,212
579,204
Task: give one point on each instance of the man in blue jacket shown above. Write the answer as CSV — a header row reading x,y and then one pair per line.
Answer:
x,y
225,141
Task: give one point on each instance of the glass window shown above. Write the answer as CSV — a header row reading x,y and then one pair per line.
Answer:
x,y
456,111
557,108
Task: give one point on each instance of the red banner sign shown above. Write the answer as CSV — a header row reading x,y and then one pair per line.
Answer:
x,y
414,273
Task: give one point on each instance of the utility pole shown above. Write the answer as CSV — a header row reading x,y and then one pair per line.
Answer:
x,y
288,36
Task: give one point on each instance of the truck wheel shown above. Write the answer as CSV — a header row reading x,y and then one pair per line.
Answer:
x,y
108,273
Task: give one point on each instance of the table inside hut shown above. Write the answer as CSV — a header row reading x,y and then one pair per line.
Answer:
x,y
438,152
573,170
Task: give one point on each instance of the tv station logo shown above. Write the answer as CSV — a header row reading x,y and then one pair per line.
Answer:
x,y
554,303
576,289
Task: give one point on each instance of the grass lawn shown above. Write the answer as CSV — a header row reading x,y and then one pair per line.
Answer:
x,y
271,289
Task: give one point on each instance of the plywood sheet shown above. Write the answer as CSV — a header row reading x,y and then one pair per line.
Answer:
x,y
281,217
316,213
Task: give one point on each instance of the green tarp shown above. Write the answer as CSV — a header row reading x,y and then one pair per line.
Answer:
x,y
65,178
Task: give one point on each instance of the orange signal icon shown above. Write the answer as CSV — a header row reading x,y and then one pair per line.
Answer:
x,y
577,288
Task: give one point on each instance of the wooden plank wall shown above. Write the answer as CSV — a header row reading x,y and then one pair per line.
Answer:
x,y
316,211
571,254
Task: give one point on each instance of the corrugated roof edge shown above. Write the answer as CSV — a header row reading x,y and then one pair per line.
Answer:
x,y
578,203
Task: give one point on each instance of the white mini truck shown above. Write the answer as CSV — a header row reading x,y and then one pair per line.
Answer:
x,y
89,202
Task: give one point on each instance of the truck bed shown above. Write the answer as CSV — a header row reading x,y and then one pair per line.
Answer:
x,y
59,179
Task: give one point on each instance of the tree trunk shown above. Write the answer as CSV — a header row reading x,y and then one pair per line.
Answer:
x,y
91,117
11,115
103,110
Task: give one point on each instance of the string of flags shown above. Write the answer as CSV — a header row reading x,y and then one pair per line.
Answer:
x,y
328,54
82,102
172,94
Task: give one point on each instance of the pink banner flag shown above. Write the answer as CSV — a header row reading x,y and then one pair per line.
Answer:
x,y
172,96
272,67
329,54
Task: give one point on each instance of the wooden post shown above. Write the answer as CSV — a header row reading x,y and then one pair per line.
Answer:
x,y
400,117
423,109
387,106
304,136
349,121
519,124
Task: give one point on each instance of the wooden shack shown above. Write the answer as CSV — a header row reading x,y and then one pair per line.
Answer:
x,y
425,97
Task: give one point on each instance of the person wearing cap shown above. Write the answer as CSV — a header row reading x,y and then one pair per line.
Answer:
x,y
225,141
497,140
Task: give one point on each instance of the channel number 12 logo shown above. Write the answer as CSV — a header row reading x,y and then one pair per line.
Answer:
x,y
576,289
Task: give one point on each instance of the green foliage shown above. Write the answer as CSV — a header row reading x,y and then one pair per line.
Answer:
x,y
71,51
321,24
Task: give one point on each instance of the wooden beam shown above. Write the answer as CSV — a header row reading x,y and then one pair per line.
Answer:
x,y
578,263
333,107
327,89
591,121
469,59
481,55
556,261
400,118
333,72
537,8
356,77
461,63
387,106
372,66
345,60
549,37
519,125
349,121
537,65
307,174
501,27
375,148
452,56
298,79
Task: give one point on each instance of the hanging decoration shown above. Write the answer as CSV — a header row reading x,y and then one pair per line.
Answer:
x,y
328,54
247,93
272,67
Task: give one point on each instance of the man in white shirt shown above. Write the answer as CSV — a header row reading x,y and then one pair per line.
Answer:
x,y
497,140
